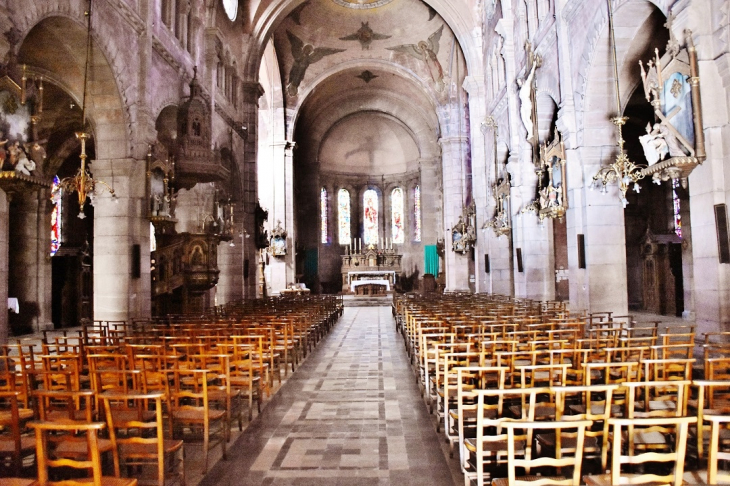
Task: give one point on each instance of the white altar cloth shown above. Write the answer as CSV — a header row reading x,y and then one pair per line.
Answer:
x,y
357,283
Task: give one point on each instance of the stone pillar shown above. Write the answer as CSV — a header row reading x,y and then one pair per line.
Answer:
x,y
230,264
537,281
29,265
118,225
454,150
600,218
480,163
431,201
4,237
277,195
252,91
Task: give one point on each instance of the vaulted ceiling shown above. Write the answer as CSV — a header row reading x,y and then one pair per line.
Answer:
x,y
381,66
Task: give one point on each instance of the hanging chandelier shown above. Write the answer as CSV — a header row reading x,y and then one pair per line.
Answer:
x,y
83,183
622,171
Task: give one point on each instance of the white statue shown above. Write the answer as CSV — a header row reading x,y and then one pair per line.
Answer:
x,y
525,94
22,163
660,142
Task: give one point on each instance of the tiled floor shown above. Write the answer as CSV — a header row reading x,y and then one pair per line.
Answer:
x,y
352,414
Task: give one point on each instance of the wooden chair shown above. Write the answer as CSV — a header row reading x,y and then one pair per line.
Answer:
x,y
593,403
48,459
712,399
147,456
718,450
677,427
15,446
560,460
460,423
192,417
488,448
221,393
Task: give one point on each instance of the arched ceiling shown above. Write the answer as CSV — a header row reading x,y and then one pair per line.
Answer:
x,y
382,65
322,36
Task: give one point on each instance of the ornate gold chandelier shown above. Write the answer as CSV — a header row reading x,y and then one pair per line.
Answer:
x,y
622,170
83,183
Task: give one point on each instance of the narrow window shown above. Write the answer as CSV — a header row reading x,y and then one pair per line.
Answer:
x,y
396,201
56,215
370,217
417,213
323,215
343,215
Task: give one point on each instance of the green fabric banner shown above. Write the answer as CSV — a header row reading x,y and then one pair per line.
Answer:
x,y
432,260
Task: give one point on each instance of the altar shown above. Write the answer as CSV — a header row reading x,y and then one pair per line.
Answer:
x,y
370,267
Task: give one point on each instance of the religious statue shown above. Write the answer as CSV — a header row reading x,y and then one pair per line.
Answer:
x,y
20,160
660,142
427,52
527,95
304,55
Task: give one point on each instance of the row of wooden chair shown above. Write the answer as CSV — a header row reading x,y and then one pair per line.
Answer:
x,y
154,386
471,355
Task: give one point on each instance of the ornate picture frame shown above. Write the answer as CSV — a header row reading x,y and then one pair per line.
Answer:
x,y
552,188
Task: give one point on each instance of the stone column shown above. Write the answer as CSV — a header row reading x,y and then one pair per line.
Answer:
x,y
454,151
28,259
277,195
431,201
118,225
252,91
537,281
600,218
480,163
230,264
4,237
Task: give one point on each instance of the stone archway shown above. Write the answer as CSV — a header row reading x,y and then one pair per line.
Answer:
x,y
54,45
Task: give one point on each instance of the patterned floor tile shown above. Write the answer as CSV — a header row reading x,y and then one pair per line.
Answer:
x,y
350,415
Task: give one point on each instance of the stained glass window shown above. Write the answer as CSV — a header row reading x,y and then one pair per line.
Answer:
x,y
343,216
417,212
370,219
676,207
57,199
323,215
396,201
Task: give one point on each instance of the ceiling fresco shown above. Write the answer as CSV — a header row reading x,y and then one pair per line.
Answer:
x,y
383,40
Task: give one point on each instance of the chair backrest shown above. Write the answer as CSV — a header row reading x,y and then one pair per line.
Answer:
x,y
678,427
515,429
146,435
657,398
596,402
46,460
715,454
10,423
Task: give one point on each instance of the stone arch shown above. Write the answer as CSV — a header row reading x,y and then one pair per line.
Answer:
x,y
111,83
596,67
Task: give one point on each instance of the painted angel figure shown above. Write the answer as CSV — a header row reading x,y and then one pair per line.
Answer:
x,y
427,52
304,55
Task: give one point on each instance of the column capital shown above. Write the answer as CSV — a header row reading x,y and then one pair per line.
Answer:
x,y
252,91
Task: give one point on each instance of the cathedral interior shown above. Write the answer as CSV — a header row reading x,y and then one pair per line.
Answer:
x,y
172,157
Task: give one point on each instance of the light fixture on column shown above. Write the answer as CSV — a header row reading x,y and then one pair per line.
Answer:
x,y
82,183
622,170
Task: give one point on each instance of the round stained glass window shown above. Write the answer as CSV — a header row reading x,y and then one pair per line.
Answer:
x,y
231,8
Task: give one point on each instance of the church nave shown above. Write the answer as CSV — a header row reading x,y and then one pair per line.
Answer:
x,y
351,414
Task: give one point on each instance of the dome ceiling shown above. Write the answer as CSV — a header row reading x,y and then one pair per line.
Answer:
x,y
368,143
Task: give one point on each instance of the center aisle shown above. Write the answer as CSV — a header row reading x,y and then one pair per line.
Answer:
x,y
352,414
